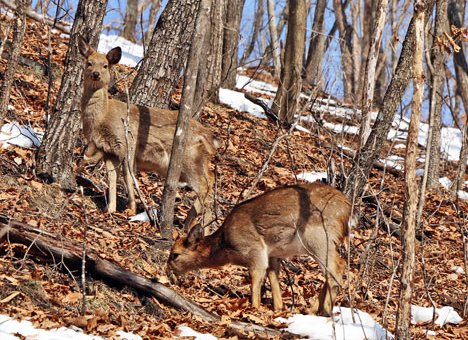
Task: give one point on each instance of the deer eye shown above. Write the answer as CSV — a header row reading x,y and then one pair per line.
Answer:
x,y
173,256
105,66
89,64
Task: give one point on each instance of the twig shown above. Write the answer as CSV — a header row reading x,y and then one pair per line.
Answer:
x,y
83,259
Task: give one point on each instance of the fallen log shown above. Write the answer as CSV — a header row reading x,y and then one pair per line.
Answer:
x,y
56,249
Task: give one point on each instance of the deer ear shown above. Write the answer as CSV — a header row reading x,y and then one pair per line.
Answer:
x,y
84,48
114,55
194,236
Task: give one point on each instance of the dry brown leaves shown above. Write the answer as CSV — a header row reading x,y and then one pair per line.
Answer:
x,y
52,298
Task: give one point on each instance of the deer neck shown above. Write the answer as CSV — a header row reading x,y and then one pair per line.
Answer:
x,y
94,105
214,251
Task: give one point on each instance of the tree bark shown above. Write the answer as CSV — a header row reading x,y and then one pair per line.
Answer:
x,y
346,50
166,56
19,27
231,42
214,48
130,21
52,247
186,107
436,96
316,52
55,155
456,12
286,100
357,177
408,238
274,42
369,79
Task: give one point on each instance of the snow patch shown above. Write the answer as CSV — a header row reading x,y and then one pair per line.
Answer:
x,y
9,327
237,101
131,53
187,331
346,324
312,176
23,136
444,315
142,217
445,182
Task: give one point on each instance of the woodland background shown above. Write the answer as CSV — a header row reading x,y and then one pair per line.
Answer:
x,y
379,60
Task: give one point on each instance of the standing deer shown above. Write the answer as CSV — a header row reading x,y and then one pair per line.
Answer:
x,y
309,219
131,135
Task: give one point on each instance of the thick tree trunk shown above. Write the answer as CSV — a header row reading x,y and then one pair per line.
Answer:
x,y
345,48
186,107
19,27
231,42
274,42
369,81
456,11
436,96
130,21
214,47
316,52
287,97
166,56
370,151
55,155
408,237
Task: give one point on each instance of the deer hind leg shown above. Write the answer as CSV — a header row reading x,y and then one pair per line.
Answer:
x,y
335,266
131,204
273,275
112,166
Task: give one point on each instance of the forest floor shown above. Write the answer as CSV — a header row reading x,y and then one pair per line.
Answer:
x,y
50,297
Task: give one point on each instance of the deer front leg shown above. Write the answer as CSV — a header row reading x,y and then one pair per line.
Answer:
x,y
111,166
257,271
131,205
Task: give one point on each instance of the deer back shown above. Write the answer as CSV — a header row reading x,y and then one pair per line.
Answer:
x,y
288,221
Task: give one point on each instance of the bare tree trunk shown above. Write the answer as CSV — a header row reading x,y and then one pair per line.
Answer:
x,y
357,47
186,105
130,21
357,177
436,96
316,52
408,237
19,27
231,42
166,56
258,23
369,81
456,12
155,5
215,48
345,47
274,37
287,96
55,155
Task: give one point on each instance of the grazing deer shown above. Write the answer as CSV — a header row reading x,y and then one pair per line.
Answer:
x,y
309,219
131,135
